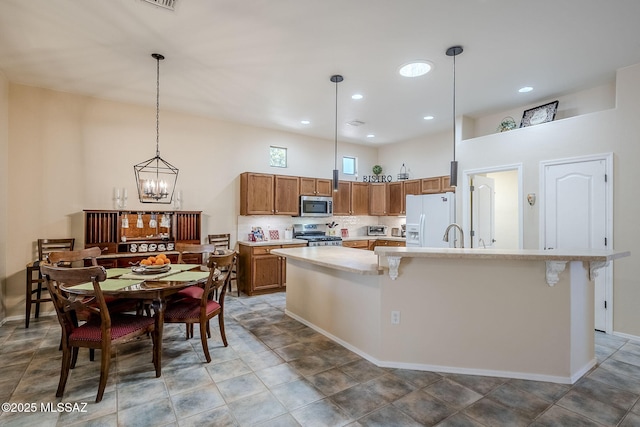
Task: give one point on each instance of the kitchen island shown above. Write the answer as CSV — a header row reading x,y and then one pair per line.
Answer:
x,y
518,314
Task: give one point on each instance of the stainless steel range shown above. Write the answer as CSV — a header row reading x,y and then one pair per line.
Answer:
x,y
315,235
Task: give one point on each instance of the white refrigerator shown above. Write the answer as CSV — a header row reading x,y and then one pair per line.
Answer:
x,y
427,218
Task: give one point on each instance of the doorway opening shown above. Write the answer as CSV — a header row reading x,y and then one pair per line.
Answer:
x,y
492,207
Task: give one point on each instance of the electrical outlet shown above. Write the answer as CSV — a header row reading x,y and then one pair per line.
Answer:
x,y
395,317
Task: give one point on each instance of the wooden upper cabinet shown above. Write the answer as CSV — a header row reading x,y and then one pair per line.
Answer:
x,y
342,199
378,199
431,185
256,194
359,198
395,195
286,195
352,198
445,184
315,187
412,186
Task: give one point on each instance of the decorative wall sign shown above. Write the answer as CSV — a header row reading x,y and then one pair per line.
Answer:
x,y
377,178
542,114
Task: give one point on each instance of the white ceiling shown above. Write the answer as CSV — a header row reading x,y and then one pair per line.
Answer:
x,y
268,62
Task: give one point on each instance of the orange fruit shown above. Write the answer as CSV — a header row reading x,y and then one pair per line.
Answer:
x,y
145,262
152,259
163,256
167,261
159,261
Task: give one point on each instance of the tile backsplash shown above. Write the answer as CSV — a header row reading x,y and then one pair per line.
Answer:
x,y
357,225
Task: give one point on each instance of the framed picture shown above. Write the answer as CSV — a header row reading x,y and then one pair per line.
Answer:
x,y
542,114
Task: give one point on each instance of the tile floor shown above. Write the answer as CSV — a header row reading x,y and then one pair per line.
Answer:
x,y
278,372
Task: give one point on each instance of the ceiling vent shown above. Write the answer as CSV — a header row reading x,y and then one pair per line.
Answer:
x,y
355,123
167,4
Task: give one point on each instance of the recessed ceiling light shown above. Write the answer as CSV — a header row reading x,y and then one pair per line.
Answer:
x,y
415,69
371,135
305,122
428,117
356,96
525,89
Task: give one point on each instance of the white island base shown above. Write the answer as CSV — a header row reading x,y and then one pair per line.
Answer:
x,y
460,311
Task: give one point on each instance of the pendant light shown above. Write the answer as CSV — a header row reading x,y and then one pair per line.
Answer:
x,y
336,78
453,179
156,178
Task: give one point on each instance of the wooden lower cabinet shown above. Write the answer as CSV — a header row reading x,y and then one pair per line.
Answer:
x,y
371,243
260,272
383,242
358,244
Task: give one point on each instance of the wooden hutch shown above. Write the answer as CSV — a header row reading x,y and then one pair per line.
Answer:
x,y
122,241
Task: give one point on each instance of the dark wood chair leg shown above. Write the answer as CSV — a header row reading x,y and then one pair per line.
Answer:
x,y
74,357
105,361
38,295
28,298
64,371
222,334
203,338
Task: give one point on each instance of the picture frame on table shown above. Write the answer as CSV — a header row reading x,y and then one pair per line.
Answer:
x,y
258,234
541,114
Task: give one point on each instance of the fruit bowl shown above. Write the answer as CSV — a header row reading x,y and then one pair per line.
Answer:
x,y
151,269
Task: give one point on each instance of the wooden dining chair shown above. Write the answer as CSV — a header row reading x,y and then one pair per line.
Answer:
x,y
70,258
223,241
101,331
185,253
34,284
200,310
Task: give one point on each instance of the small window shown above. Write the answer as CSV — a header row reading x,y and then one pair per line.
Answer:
x,y
349,165
278,157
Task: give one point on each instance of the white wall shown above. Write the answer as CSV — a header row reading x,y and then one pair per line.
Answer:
x,y
4,177
614,130
69,152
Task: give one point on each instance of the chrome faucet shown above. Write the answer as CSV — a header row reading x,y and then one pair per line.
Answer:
x,y
481,240
446,234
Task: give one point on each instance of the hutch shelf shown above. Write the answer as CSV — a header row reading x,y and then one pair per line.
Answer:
x,y
128,236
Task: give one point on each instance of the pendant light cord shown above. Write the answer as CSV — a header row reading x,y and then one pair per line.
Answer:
x,y
454,108
158,107
335,153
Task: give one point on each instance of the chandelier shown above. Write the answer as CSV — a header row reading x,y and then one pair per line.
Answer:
x,y
156,178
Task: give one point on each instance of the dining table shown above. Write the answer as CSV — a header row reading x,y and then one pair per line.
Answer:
x,y
146,285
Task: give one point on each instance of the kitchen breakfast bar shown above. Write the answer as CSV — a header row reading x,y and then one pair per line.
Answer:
x,y
509,313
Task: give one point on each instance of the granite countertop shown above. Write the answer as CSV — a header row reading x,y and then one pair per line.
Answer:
x,y
505,254
273,242
336,257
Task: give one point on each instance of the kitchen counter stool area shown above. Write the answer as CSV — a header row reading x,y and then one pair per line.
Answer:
x,y
278,371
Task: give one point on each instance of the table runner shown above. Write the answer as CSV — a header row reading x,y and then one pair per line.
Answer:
x,y
187,276
110,284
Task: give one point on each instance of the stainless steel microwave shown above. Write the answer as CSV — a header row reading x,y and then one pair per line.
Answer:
x,y
316,206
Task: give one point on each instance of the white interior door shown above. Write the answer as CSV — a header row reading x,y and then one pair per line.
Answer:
x,y
482,211
575,216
